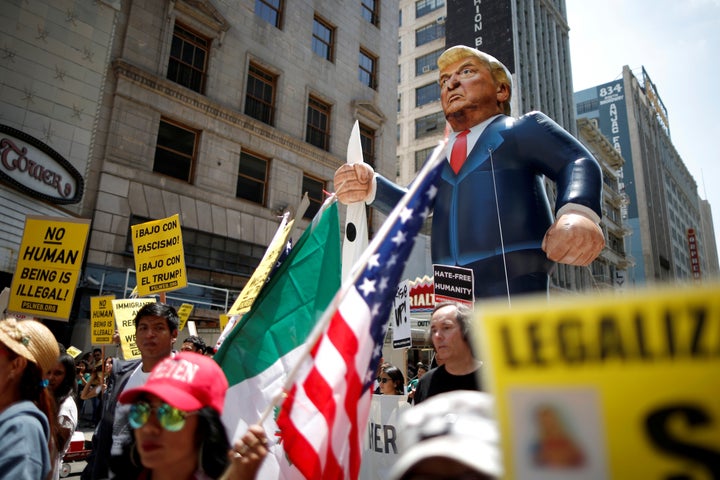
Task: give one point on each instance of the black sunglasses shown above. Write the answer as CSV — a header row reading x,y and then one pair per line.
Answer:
x,y
383,379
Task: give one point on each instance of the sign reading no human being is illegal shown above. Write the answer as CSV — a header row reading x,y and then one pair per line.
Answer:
x,y
159,256
48,266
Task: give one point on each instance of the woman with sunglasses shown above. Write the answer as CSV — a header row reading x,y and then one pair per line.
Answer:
x,y
176,424
392,381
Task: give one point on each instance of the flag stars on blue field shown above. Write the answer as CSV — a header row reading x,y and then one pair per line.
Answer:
x,y
406,214
368,286
374,261
399,238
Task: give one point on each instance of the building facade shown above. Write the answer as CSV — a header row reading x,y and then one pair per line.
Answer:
x,y
608,271
225,113
664,210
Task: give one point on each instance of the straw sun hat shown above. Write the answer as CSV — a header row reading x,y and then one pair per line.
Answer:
x,y
32,340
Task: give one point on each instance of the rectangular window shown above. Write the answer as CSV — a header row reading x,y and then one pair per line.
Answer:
x,y
588,106
260,95
314,188
270,11
421,156
427,94
428,33
188,59
367,71
429,125
423,7
370,10
175,151
323,38
427,63
318,123
367,141
252,178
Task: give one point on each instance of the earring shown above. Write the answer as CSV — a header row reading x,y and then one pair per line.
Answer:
x,y
200,458
133,453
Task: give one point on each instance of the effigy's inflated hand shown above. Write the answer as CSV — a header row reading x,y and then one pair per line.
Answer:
x,y
353,182
573,239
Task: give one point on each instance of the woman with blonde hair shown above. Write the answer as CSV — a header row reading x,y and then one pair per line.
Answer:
x,y
27,412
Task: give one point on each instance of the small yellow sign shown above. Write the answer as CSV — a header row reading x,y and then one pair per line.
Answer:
x,y
102,320
48,267
125,311
73,351
259,277
184,313
224,319
607,386
159,257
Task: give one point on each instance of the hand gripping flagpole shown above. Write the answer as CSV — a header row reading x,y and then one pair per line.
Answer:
x,y
435,158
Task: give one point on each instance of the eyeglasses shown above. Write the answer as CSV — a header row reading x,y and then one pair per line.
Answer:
x,y
383,379
170,418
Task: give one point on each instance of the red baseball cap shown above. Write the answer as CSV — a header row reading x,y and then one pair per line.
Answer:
x,y
188,381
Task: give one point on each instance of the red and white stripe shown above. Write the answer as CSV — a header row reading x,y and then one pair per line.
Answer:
x,y
323,419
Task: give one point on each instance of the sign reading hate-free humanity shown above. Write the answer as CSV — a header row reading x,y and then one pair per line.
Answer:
x,y
159,257
606,386
48,267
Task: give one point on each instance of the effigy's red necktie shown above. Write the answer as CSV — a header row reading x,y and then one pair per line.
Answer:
x,y
459,151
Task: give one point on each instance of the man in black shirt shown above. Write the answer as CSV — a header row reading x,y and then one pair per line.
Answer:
x,y
458,368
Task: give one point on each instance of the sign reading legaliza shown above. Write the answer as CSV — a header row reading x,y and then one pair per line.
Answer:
x,y
159,257
46,276
611,386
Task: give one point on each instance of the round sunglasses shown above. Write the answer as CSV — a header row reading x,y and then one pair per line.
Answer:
x,y
170,418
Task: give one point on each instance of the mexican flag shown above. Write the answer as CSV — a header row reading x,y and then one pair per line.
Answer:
x,y
268,341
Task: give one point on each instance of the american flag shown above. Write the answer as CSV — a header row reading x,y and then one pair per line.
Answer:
x,y
324,416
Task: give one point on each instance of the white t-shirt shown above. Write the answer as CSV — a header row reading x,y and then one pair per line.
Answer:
x,y
121,429
67,418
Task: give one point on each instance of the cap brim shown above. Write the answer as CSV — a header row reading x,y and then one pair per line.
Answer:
x,y
173,396
480,457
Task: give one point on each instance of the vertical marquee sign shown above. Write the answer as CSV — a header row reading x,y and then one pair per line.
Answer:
x,y
486,26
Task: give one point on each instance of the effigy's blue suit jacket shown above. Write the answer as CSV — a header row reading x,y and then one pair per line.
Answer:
x,y
499,193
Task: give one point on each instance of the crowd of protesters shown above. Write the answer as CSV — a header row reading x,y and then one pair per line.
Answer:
x,y
148,423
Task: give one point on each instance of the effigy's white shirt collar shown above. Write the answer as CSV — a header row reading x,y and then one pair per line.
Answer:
x,y
472,137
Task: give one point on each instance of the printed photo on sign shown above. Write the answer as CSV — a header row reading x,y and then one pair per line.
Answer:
x,y
557,433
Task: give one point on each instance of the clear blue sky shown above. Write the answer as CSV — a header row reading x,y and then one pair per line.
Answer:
x,y
678,43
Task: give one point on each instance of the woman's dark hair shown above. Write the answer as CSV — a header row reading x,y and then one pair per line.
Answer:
x,y
397,377
34,389
68,384
212,438
212,446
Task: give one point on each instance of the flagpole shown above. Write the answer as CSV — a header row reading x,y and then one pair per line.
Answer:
x,y
435,158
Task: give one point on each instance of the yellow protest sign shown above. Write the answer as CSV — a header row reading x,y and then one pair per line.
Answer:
x,y
102,321
252,288
223,319
184,313
159,257
73,351
51,254
607,386
125,311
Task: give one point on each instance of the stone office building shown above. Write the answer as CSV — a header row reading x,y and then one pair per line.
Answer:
x,y
224,112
